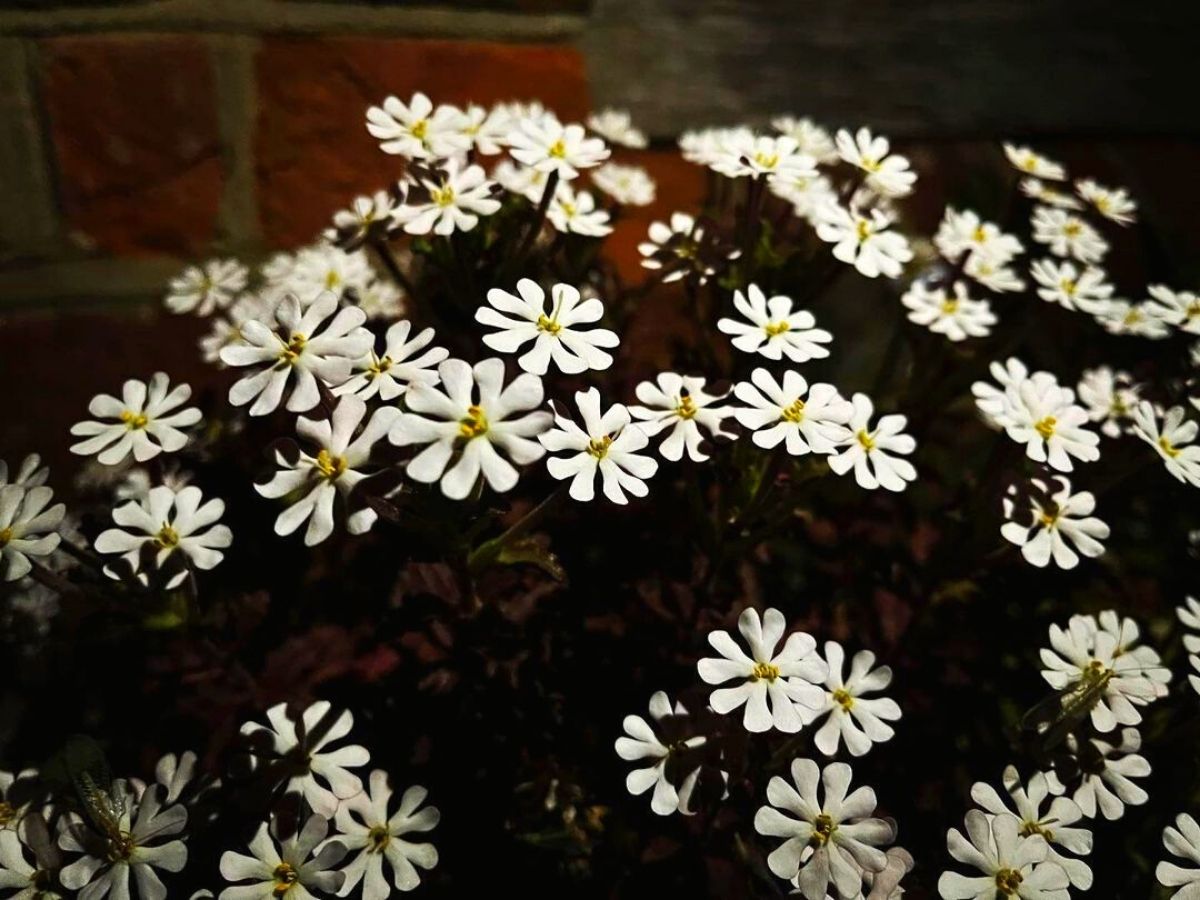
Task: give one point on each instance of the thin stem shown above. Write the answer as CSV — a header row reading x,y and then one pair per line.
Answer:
x,y
52,580
487,552
539,216
80,554
389,262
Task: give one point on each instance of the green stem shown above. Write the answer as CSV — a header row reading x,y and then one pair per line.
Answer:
x,y
487,552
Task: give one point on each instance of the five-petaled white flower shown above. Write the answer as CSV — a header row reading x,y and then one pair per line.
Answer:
x,y
575,212
335,467
616,127
1189,615
964,232
670,744
302,754
203,289
1068,235
1171,438
864,240
1106,773
1182,840
163,522
466,421
417,130
680,403
320,342
555,333
627,185
450,199
811,139
1063,283
27,527
607,443
869,451
549,146
1054,824
390,375
832,839
858,720
1013,864
1179,308
365,826
888,174
788,678
1025,160
146,421
809,419
958,317
1112,203
1046,519
291,871
1110,397
773,329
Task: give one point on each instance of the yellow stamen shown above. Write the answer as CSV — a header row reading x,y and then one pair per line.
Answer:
x,y
766,160
134,421
569,210
795,412
776,328
764,672
864,438
378,367
293,349
166,537
863,230
330,466
598,447
979,235
1073,229
1068,287
333,279
823,829
686,408
558,149
1167,447
6,535
1045,427
869,164
1028,829
548,325
843,699
1048,519
419,129
378,838
1096,675
1008,882
950,306
285,877
474,424
443,196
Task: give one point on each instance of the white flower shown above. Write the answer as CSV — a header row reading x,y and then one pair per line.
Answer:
x,y
1089,667
163,522
380,300
707,146
1189,615
1045,520
555,333
888,175
1013,864
774,330
1068,235
575,212
1106,773
145,421
869,451
1000,279
680,403
203,289
964,232
1110,397
131,843
471,418
811,139
306,754
1114,204
1172,439
368,216
30,881
416,130
1125,632
1043,415
290,871
1043,193
175,773
1146,319
317,343
1182,841
616,127
809,420
1053,825
762,156
1066,285
671,746
808,195
390,375
31,472
27,527
833,839
365,826
628,185
487,128
227,329
322,269
992,401
336,468
679,250
857,719
864,241
451,198
549,146
958,317
788,678
607,443
1025,160
15,803
524,181
1180,308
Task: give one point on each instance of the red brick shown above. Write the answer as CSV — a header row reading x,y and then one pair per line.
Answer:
x,y
133,124
313,150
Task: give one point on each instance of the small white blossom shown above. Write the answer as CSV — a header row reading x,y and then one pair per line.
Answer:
x,y
763,156
670,747
1063,283
389,375
1112,203
487,128
1106,775
808,420
1110,397
773,330
466,421
857,719
811,139
1046,521
888,174
525,181
549,146
575,212
788,678
681,249
1183,841
808,195
627,185
864,240
1189,615
1043,415
1025,160
832,839
293,870
1171,437
324,268
606,443
680,404
1179,308
27,527
227,329
451,199
964,232
31,472
204,289
380,300
174,527
1146,319
873,453
616,127
146,421
368,216
1001,279
958,317
1043,193
417,130
1013,864
1067,235
555,333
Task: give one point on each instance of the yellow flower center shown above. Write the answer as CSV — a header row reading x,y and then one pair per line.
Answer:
x,y
285,877
419,129
568,209
863,230
869,164
598,447
823,830
548,325
979,235
7,813
776,328
1072,229
293,348
795,412
764,671
378,367
1068,286
864,438
1028,829
558,149
1102,203
1029,162
166,537
686,408
333,279
331,467
843,699
949,306
1096,675
443,196
6,535
134,421
1167,447
474,423
1193,310
766,160
1048,518
1008,882
378,838
1045,427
